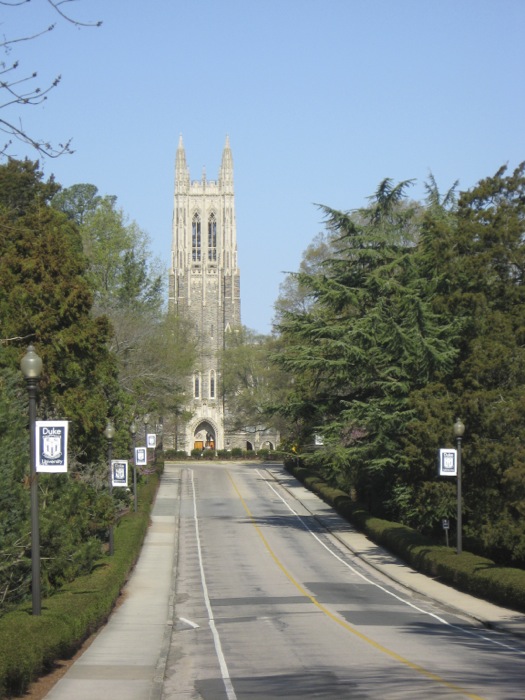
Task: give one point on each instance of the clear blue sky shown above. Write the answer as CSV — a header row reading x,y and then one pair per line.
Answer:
x,y
321,100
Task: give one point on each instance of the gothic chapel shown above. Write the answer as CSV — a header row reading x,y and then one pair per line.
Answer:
x,y
205,288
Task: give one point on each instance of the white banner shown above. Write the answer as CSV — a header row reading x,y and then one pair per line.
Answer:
x,y
119,472
448,462
151,440
51,445
141,456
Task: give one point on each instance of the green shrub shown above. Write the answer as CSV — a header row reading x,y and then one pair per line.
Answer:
x,y
172,454
237,452
196,453
223,454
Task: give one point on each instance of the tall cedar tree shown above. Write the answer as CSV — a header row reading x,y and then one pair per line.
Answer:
x,y
370,338
46,300
478,254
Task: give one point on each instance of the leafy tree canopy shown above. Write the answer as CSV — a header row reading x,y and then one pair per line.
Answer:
x,y
250,384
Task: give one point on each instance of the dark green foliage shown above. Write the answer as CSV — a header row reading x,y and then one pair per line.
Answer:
x,y
370,338
415,318
46,300
14,492
477,254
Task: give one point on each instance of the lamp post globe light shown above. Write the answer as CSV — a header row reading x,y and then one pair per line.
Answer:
x,y
133,431
459,429
109,432
31,366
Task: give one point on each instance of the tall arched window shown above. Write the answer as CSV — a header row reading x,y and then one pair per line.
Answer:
x,y
196,238
212,238
212,384
197,386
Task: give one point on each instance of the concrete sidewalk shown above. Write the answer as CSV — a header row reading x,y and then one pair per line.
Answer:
x,y
127,658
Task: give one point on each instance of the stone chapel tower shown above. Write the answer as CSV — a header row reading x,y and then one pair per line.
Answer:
x,y
205,288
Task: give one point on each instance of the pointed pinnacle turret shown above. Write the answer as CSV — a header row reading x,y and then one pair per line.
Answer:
x,y
182,173
226,171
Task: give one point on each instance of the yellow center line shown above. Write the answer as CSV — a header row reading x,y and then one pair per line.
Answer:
x,y
341,622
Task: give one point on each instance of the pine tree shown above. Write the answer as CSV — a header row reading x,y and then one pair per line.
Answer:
x,y
46,300
370,339
478,255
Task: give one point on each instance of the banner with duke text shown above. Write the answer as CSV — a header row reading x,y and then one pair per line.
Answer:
x,y
448,462
141,456
119,472
51,445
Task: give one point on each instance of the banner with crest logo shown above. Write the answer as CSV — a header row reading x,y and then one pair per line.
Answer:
x,y
51,445
119,472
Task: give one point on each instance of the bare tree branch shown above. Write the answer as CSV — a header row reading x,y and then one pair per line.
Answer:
x,y
17,337
18,91
55,4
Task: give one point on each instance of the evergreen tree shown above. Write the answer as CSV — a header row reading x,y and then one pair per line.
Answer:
x,y
370,339
45,299
478,255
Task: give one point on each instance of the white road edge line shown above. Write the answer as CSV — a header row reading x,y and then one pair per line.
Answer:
x,y
373,583
225,674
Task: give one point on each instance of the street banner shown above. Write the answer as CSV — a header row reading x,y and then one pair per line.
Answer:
x,y
51,445
141,456
119,472
448,462
151,440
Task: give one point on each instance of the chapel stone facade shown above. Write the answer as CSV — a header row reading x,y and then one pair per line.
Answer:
x,y
204,287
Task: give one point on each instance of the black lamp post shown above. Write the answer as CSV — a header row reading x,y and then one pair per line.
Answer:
x,y
459,429
31,366
133,431
146,422
109,432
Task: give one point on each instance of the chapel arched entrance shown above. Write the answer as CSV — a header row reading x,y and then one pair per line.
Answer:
x,y
204,436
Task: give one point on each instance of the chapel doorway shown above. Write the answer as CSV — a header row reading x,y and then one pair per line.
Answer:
x,y
204,437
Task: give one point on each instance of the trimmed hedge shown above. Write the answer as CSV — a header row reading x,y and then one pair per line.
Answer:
x,y
467,572
171,454
29,645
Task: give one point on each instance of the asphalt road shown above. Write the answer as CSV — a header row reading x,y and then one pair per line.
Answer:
x,y
268,604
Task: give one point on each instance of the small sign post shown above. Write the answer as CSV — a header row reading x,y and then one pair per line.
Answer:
x,y
446,526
